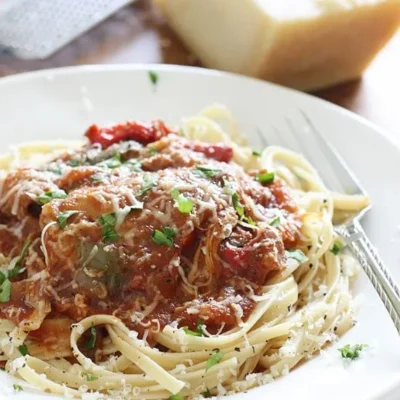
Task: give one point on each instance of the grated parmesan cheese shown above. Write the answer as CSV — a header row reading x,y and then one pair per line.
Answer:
x,y
16,364
238,313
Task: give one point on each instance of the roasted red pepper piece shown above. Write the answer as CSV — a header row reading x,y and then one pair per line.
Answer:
x,y
217,151
142,132
253,259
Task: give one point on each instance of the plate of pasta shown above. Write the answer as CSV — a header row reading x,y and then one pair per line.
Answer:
x,y
152,248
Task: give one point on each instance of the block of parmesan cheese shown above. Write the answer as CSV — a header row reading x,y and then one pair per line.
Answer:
x,y
305,44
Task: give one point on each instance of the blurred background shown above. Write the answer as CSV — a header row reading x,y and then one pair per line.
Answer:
x,y
333,41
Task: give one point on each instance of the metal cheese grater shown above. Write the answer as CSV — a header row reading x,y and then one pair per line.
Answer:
x,y
35,29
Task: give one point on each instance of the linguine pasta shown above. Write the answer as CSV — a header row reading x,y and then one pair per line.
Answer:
x,y
298,310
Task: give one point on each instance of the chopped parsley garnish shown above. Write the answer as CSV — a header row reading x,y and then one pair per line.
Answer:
x,y
352,352
5,289
275,221
228,189
250,221
113,162
256,153
297,255
107,222
337,246
12,273
197,332
153,77
208,172
239,207
214,360
265,177
133,165
55,171
91,377
91,342
178,396
17,388
165,237
184,204
24,250
62,219
51,195
152,150
149,182
23,349
190,332
99,178
75,163
207,394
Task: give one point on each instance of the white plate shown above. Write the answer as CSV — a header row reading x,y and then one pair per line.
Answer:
x,y
62,103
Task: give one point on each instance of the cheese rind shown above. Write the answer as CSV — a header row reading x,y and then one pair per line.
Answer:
x,y
305,44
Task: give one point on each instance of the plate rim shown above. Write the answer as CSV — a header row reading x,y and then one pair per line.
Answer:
x,y
49,74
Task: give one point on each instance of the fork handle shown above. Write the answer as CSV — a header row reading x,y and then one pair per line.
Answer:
x,y
378,274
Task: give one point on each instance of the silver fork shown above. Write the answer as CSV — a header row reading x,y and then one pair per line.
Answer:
x,y
338,177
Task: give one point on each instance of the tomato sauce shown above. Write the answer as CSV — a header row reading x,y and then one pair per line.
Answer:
x,y
142,225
